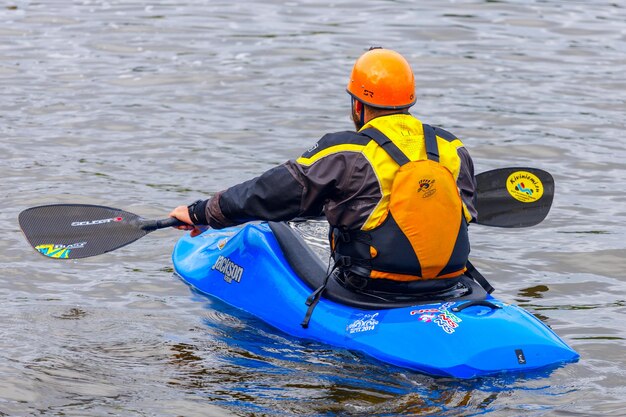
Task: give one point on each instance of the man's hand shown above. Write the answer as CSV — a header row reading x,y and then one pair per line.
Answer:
x,y
182,214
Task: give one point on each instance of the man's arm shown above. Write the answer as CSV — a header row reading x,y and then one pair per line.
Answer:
x,y
467,183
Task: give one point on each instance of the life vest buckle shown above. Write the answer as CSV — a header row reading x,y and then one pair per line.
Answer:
x,y
343,261
342,234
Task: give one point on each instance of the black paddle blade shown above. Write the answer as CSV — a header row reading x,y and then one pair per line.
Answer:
x,y
73,231
513,197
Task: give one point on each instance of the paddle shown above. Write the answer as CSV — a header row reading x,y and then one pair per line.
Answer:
x,y
506,197
513,197
73,231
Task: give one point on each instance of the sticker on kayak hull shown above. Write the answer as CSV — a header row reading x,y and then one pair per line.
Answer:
x,y
524,186
362,323
447,321
441,316
230,270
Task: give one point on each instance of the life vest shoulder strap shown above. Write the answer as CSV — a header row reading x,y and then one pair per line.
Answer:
x,y
384,142
432,149
430,138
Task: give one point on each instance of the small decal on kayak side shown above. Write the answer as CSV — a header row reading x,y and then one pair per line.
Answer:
x,y
232,271
521,359
447,321
440,316
364,323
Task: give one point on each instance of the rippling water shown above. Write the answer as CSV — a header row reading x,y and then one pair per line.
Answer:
x,y
145,106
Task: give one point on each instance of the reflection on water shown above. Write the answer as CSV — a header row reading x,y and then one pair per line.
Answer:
x,y
534,292
260,371
73,314
147,106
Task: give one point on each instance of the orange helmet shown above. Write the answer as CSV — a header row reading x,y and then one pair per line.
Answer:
x,y
382,78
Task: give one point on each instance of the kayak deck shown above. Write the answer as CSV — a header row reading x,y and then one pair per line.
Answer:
x,y
465,337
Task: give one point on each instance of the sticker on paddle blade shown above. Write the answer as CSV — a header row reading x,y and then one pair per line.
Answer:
x,y
524,186
59,251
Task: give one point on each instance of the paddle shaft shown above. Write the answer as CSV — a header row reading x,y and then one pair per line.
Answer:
x,y
152,225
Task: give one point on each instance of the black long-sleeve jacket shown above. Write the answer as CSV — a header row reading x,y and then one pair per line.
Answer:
x,y
334,177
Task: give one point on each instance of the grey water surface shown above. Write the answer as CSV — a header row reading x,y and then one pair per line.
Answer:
x,y
148,105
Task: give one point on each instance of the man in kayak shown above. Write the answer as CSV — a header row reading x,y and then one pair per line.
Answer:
x,y
398,194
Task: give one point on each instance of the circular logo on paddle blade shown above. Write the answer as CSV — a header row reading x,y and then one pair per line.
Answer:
x,y
524,186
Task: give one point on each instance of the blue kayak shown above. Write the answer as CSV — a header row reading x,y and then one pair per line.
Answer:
x,y
268,270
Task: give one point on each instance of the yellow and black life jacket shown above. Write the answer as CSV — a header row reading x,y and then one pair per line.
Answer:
x,y
422,233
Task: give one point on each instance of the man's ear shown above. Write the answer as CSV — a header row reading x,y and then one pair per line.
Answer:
x,y
358,106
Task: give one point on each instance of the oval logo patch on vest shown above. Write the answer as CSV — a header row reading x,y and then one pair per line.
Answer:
x,y
524,186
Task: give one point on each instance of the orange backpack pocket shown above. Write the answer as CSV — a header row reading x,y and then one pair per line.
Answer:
x,y
427,207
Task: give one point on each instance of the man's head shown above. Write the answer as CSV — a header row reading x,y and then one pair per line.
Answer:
x,y
381,82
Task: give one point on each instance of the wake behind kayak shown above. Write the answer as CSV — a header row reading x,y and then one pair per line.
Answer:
x,y
269,271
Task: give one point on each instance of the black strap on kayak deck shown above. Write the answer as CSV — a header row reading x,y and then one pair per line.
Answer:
x,y
478,277
314,298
